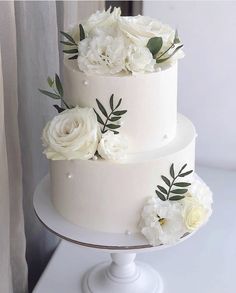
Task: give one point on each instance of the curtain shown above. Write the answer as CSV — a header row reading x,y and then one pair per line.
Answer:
x,y
13,269
29,49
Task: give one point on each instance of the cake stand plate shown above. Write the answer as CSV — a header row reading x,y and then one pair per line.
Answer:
x,y
122,274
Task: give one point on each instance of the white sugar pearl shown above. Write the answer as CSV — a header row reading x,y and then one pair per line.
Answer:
x,y
69,175
94,158
86,82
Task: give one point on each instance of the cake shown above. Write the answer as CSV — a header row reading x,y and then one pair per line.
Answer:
x,y
121,158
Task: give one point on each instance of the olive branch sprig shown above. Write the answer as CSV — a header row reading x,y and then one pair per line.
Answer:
x,y
57,92
155,44
72,43
113,116
165,194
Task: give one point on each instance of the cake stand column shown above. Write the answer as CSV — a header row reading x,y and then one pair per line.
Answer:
x,y
122,275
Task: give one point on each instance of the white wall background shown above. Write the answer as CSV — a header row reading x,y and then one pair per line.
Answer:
x,y
207,74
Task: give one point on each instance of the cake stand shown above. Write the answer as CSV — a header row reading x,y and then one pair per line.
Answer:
x,y
122,274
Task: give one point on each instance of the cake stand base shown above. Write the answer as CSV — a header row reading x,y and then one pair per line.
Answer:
x,y
122,275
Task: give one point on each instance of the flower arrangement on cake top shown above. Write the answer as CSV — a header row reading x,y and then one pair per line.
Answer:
x,y
107,43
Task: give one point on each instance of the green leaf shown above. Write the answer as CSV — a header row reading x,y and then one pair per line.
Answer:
x,y
50,81
182,184
115,132
113,126
113,119
186,173
71,51
118,113
59,85
73,57
176,197
176,39
166,180
162,189
81,32
160,195
179,191
184,166
154,45
172,172
172,54
99,118
68,37
101,108
118,104
51,95
67,43
112,102
59,109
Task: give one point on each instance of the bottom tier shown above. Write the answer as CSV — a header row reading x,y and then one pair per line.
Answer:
x,y
108,196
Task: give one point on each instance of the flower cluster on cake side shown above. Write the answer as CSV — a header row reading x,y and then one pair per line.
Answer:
x,y
83,133
107,43
179,208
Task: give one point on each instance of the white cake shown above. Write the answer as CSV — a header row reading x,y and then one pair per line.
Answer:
x,y
96,181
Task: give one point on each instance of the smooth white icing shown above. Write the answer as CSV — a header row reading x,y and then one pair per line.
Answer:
x,y
150,99
107,196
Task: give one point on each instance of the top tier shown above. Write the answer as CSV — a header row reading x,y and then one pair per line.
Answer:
x,y
150,100
133,58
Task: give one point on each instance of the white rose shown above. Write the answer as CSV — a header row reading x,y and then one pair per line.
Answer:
x,y
194,213
102,55
105,21
197,204
73,134
140,29
112,146
139,59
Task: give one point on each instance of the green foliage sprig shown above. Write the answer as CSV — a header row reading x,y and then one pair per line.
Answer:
x,y
113,116
165,193
71,42
57,92
155,44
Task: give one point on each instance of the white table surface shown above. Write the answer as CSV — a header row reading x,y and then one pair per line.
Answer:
x,y
205,263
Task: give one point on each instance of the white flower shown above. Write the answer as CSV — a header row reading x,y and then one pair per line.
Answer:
x,y
140,29
202,192
162,222
112,146
102,55
139,59
73,134
105,21
197,205
194,213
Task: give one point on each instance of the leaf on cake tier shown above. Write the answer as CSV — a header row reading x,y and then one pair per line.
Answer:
x,y
165,193
154,45
71,43
172,54
113,116
81,32
160,195
176,197
57,92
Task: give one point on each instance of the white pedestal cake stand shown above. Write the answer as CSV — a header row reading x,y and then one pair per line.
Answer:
x,y
122,274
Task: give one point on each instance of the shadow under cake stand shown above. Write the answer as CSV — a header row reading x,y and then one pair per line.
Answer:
x,y
122,274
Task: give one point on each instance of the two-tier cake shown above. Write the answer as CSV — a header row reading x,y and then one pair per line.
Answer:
x,y
121,158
